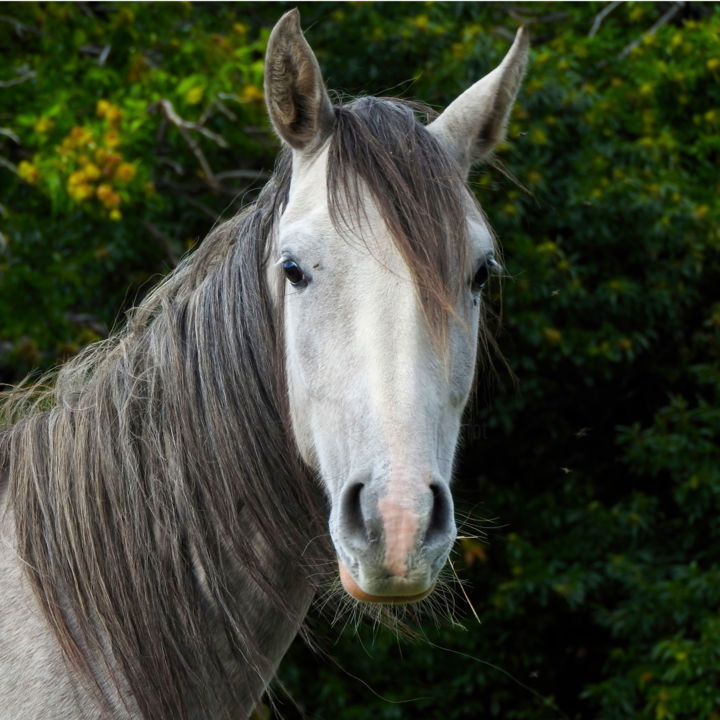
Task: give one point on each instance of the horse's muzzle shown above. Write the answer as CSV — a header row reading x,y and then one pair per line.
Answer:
x,y
391,544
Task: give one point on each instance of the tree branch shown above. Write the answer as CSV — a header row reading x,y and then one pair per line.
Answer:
x,y
669,15
164,241
217,103
602,15
20,28
175,119
4,162
102,53
184,127
7,132
28,75
243,174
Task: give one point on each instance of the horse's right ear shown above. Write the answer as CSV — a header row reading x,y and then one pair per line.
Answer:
x,y
475,122
297,101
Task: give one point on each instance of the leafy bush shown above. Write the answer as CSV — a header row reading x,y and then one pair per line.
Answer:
x,y
126,129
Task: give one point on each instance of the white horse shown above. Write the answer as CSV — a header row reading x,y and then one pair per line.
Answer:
x,y
162,505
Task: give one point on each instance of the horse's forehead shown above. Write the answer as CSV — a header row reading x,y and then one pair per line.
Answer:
x,y
307,215
308,187
313,237
479,234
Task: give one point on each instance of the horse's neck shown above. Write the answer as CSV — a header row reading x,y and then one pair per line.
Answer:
x,y
273,630
36,681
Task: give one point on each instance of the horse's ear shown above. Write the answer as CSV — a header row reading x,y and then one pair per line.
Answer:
x,y
297,101
475,122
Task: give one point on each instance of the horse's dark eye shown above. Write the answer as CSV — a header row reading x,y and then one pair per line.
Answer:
x,y
487,266
294,274
480,277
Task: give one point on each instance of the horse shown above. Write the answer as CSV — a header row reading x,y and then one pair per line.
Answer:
x,y
290,395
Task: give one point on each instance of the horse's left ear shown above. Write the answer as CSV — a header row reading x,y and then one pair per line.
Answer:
x,y
297,101
474,123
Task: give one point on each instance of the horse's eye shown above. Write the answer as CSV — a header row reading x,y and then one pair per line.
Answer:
x,y
480,277
487,266
294,274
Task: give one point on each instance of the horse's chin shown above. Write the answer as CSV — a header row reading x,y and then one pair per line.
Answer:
x,y
354,590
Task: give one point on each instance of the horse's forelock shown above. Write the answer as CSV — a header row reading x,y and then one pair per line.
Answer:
x,y
380,146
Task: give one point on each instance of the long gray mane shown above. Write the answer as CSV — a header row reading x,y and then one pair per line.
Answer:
x,y
155,463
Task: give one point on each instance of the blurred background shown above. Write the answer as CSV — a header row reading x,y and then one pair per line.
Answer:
x,y
593,468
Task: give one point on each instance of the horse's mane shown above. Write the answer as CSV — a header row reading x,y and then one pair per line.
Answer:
x,y
153,463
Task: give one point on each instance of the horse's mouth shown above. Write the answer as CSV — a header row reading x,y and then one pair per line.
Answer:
x,y
354,590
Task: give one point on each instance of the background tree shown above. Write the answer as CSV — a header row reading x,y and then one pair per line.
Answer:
x,y
126,130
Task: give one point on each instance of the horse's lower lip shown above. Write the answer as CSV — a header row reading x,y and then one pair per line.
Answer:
x,y
353,589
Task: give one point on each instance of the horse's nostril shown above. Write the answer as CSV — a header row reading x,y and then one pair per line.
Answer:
x,y
351,512
441,517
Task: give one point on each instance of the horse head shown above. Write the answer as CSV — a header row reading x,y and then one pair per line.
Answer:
x,y
379,259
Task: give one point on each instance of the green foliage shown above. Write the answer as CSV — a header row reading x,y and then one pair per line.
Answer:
x,y
119,124
599,587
